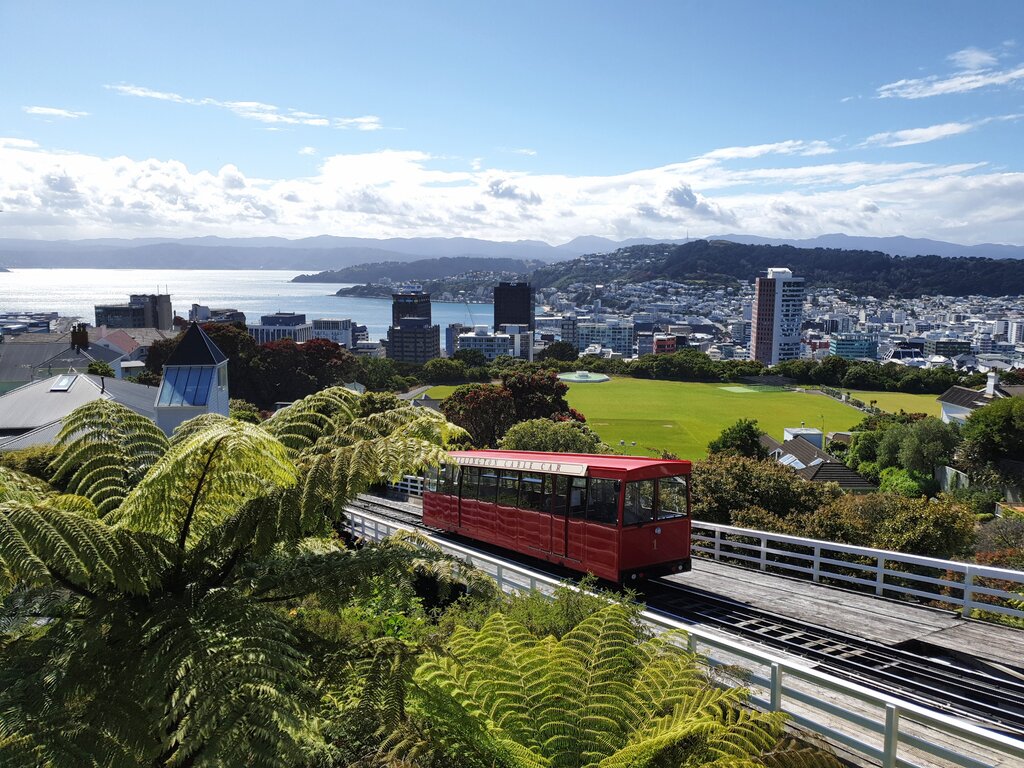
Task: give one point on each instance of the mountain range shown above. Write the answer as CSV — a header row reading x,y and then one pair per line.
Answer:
x,y
329,252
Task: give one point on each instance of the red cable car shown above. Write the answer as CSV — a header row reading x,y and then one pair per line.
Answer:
x,y
621,518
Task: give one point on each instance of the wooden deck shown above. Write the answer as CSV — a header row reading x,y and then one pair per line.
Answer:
x,y
890,622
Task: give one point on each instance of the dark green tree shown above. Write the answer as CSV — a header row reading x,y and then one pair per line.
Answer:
x,y
100,368
559,350
486,411
552,436
740,439
443,370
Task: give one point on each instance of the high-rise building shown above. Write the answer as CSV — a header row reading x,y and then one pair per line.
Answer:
x,y
776,317
143,310
412,302
451,337
514,305
411,337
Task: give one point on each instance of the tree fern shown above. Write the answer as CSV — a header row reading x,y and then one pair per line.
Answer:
x,y
601,697
203,479
105,450
144,614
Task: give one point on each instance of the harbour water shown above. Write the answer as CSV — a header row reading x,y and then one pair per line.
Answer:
x,y
74,292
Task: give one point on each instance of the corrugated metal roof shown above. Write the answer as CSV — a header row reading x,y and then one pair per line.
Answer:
x,y
35,405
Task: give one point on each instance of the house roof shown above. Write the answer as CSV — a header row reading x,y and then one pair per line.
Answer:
x,y
195,348
972,399
35,404
814,464
38,404
122,341
835,472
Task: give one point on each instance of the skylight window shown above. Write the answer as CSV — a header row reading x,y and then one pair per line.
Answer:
x,y
63,383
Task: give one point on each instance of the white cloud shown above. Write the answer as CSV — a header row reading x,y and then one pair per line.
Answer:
x,y
52,193
54,112
256,110
791,147
972,59
976,71
909,136
524,151
307,151
17,143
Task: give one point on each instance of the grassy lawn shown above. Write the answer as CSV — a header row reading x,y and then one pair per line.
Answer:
x,y
894,402
682,417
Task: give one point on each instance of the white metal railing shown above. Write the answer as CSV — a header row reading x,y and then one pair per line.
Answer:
x,y
888,731
966,586
410,485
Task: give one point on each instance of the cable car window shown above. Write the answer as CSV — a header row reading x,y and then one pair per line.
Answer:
x,y
558,489
531,492
430,479
639,503
508,489
470,480
603,501
578,497
672,498
451,479
488,485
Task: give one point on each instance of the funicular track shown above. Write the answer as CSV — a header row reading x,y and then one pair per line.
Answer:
x,y
992,698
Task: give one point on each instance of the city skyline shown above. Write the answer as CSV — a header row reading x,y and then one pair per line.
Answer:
x,y
525,122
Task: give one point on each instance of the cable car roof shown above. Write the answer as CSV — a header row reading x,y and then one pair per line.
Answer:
x,y
573,464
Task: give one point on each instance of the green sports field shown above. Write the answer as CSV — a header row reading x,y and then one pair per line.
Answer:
x,y
894,402
682,417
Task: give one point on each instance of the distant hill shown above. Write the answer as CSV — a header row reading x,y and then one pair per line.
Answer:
x,y
328,252
422,269
863,272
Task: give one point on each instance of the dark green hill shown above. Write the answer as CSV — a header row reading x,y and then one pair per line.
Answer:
x,y
421,269
863,272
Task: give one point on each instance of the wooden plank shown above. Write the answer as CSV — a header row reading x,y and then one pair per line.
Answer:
x,y
983,640
885,621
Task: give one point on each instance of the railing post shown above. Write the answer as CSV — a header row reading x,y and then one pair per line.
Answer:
x,y
764,552
892,736
968,608
776,700
816,575
691,642
880,575
718,544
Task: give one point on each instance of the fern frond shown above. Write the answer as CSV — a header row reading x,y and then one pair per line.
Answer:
x,y
202,481
322,414
43,545
17,486
105,450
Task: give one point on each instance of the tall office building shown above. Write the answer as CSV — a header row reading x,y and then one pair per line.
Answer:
x,y
412,302
776,317
514,305
411,337
143,310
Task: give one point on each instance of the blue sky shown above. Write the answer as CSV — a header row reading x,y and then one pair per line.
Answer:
x,y
542,120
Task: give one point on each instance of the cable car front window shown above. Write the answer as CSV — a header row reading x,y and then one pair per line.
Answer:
x,y
639,507
672,498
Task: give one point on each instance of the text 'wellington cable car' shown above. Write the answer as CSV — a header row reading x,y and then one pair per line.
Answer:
x,y
621,518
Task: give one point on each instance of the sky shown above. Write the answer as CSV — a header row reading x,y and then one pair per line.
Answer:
x,y
507,121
